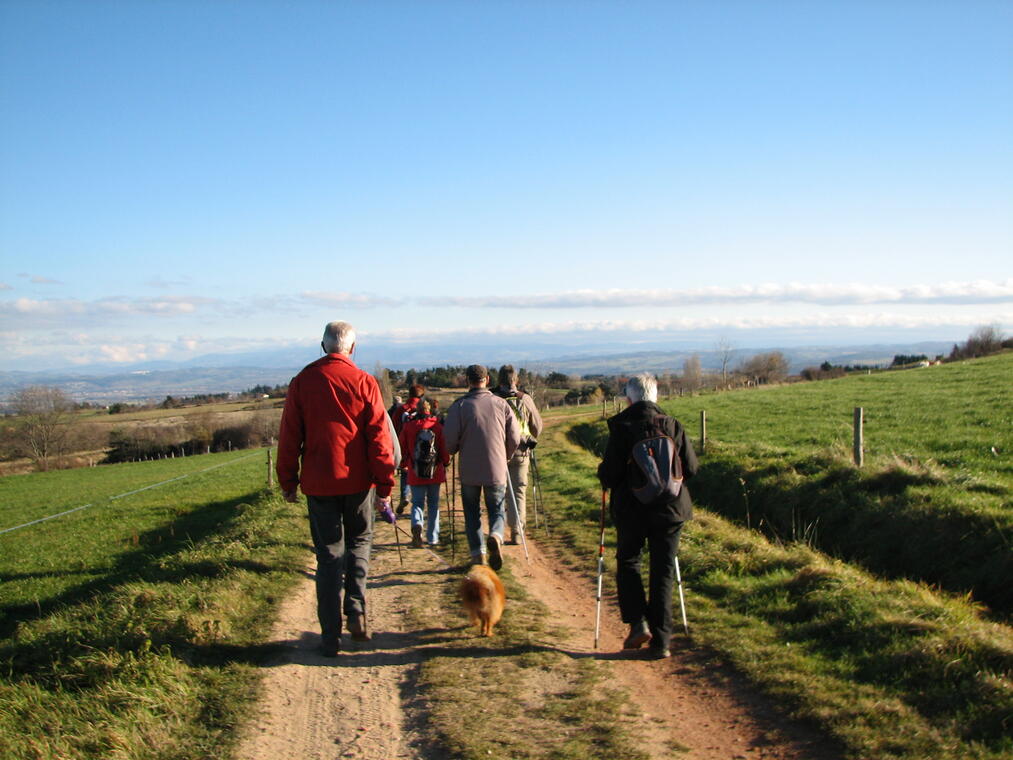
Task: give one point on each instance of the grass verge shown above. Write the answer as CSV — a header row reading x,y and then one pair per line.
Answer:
x,y
160,661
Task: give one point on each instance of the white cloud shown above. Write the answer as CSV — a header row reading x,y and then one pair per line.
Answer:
x,y
31,313
976,292
351,300
825,321
5,286
40,280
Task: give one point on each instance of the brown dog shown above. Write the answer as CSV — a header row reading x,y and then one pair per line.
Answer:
x,y
484,597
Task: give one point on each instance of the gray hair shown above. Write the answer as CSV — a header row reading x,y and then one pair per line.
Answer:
x,y
642,387
339,337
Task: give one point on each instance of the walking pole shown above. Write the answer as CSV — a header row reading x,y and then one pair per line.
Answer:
x,y
536,485
453,491
517,518
601,571
682,599
398,543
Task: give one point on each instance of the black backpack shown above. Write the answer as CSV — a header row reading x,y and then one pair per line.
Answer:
x,y
424,455
655,469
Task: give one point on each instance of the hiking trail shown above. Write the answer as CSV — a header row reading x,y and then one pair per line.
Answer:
x,y
355,706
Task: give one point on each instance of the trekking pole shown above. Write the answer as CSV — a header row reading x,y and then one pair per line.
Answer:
x,y
536,485
682,599
453,538
398,543
601,571
517,518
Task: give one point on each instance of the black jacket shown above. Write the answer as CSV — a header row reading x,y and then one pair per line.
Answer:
x,y
639,421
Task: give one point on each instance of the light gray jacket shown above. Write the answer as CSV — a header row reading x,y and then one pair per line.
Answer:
x,y
484,429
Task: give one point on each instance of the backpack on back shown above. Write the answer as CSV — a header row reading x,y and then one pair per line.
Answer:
x,y
656,470
515,403
424,455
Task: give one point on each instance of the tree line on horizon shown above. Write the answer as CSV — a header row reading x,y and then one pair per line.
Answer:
x,y
41,422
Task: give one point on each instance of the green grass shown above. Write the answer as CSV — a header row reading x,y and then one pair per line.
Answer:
x,y
116,647
514,696
931,503
60,560
889,668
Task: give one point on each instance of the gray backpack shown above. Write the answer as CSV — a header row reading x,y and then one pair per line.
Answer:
x,y
656,470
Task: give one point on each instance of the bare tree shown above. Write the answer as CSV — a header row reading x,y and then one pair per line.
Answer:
x,y
766,368
725,351
383,380
44,418
692,374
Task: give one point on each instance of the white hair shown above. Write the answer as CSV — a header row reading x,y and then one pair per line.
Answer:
x,y
642,387
339,337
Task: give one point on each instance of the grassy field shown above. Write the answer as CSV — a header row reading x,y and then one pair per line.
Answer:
x,y
933,501
130,629
890,668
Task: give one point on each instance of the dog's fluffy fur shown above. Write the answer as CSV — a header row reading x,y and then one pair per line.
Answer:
x,y
484,597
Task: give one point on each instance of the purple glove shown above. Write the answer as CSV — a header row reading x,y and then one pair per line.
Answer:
x,y
383,509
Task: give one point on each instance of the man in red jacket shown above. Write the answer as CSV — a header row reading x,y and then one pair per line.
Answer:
x,y
334,420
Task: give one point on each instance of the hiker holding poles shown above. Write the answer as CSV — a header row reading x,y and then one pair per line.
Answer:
x,y
530,422
646,458
335,444
484,429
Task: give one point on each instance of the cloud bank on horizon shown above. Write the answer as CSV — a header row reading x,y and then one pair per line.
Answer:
x,y
169,326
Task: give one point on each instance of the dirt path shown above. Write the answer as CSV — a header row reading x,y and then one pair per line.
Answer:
x,y
353,707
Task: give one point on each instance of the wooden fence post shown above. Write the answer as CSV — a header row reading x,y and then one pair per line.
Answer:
x,y
703,431
859,442
270,471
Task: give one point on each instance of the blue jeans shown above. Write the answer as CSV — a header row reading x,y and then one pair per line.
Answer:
x,y
342,531
420,496
495,501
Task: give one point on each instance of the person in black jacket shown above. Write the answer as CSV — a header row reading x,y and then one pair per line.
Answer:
x,y
658,524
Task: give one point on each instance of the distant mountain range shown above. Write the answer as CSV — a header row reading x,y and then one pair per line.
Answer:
x,y
233,373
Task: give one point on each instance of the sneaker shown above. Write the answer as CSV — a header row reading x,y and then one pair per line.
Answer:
x,y
416,536
638,636
357,627
477,559
495,555
658,653
401,507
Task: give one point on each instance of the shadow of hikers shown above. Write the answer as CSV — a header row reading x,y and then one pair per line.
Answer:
x,y
397,648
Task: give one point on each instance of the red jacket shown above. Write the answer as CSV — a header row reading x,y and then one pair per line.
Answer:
x,y
408,407
335,421
407,439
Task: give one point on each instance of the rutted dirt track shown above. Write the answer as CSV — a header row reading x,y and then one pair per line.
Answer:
x,y
322,709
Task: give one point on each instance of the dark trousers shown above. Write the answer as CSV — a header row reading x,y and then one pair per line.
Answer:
x,y
342,531
659,528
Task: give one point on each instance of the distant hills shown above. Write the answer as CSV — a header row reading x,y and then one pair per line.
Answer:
x,y
232,373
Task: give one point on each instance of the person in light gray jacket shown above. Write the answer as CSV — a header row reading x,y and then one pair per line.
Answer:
x,y
485,430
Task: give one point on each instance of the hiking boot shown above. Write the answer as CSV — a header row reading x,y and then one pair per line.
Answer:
x,y
478,559
416,536
495,555
329,647
513,537
639,635
658,653
357,627
401,507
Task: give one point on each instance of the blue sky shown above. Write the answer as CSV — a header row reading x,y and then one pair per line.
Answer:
x,y
178,178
